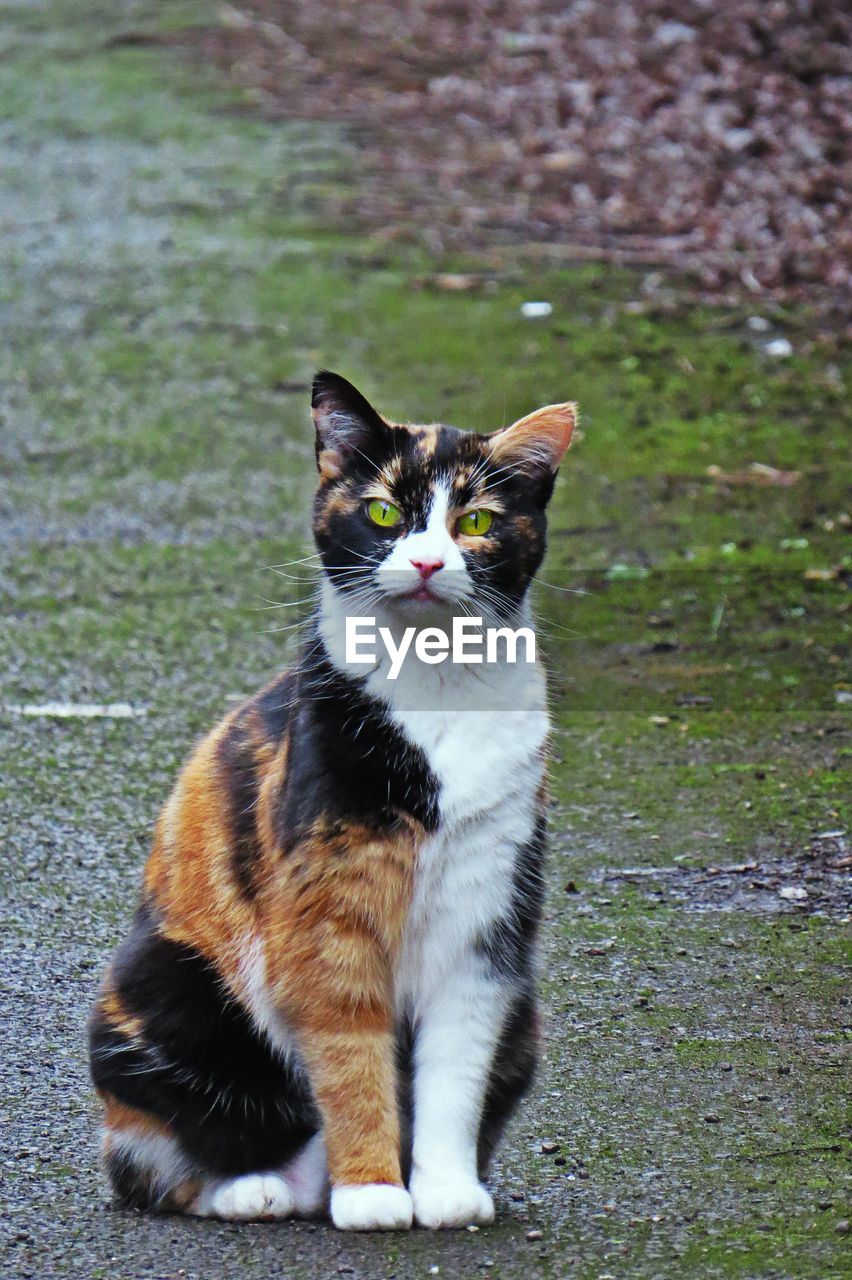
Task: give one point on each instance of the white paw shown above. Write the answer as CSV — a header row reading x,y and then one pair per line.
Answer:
x,y
376,1206
450,1202
255,1195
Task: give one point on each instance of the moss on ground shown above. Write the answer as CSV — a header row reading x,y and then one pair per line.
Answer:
x,y
168,291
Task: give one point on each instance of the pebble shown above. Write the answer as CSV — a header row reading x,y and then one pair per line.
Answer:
x,y
712,1118
779,349
842,1227
549,1148
672,33
536,310
535,1234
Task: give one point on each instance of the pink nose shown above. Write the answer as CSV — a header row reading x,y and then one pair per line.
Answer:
x,y
427,567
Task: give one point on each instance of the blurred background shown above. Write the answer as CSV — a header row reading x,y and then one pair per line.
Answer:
x,y
709,136
469,210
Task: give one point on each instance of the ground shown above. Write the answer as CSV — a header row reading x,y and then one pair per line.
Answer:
x,y
167,292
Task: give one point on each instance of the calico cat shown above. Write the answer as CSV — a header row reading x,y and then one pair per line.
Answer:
x,y
326,1001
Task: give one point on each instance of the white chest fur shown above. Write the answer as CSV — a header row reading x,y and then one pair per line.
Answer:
x,y
489,767
483,735
482,731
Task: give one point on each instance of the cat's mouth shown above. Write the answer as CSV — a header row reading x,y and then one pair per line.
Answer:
x,y
404,588
422,592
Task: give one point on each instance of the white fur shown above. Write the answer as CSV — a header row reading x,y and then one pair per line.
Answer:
x,y
243,1199
450,1202
307,1176
255,992
298,1190
373,1207
482,730
154,1153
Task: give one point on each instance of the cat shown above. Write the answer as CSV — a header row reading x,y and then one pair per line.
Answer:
x,y
326,1001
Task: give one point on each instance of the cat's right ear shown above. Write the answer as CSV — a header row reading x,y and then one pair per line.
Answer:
x,y
347,425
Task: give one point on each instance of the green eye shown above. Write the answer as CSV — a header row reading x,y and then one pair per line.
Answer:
x,y
475,523
383,513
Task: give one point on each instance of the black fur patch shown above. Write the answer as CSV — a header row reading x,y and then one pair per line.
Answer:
x,y
240,784
512,1072
510,941
347,761
274,705
233,1104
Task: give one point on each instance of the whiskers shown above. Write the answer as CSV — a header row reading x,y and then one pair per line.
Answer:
x,y
354,580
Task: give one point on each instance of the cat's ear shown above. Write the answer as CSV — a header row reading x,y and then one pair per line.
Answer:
x,y
348,427
537,442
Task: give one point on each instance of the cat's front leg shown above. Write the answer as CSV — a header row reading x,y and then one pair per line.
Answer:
x,y
457,1034
332,938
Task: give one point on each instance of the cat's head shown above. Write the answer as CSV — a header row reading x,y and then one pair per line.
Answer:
x,y
429,517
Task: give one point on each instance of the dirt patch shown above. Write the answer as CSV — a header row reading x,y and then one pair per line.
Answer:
x,y
709,138
814,881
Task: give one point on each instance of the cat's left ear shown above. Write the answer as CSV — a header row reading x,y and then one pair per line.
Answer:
x,y
537,442
348,427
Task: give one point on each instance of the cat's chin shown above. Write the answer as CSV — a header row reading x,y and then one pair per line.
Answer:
x,y
419,608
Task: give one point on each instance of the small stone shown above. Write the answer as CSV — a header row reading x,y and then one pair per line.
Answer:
x,y
549,1148
793,893
779,349
535,1234
711,1118
536,310
738,140
518,1196
825,1204
842,1227
472,1228
783,1071
672,33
